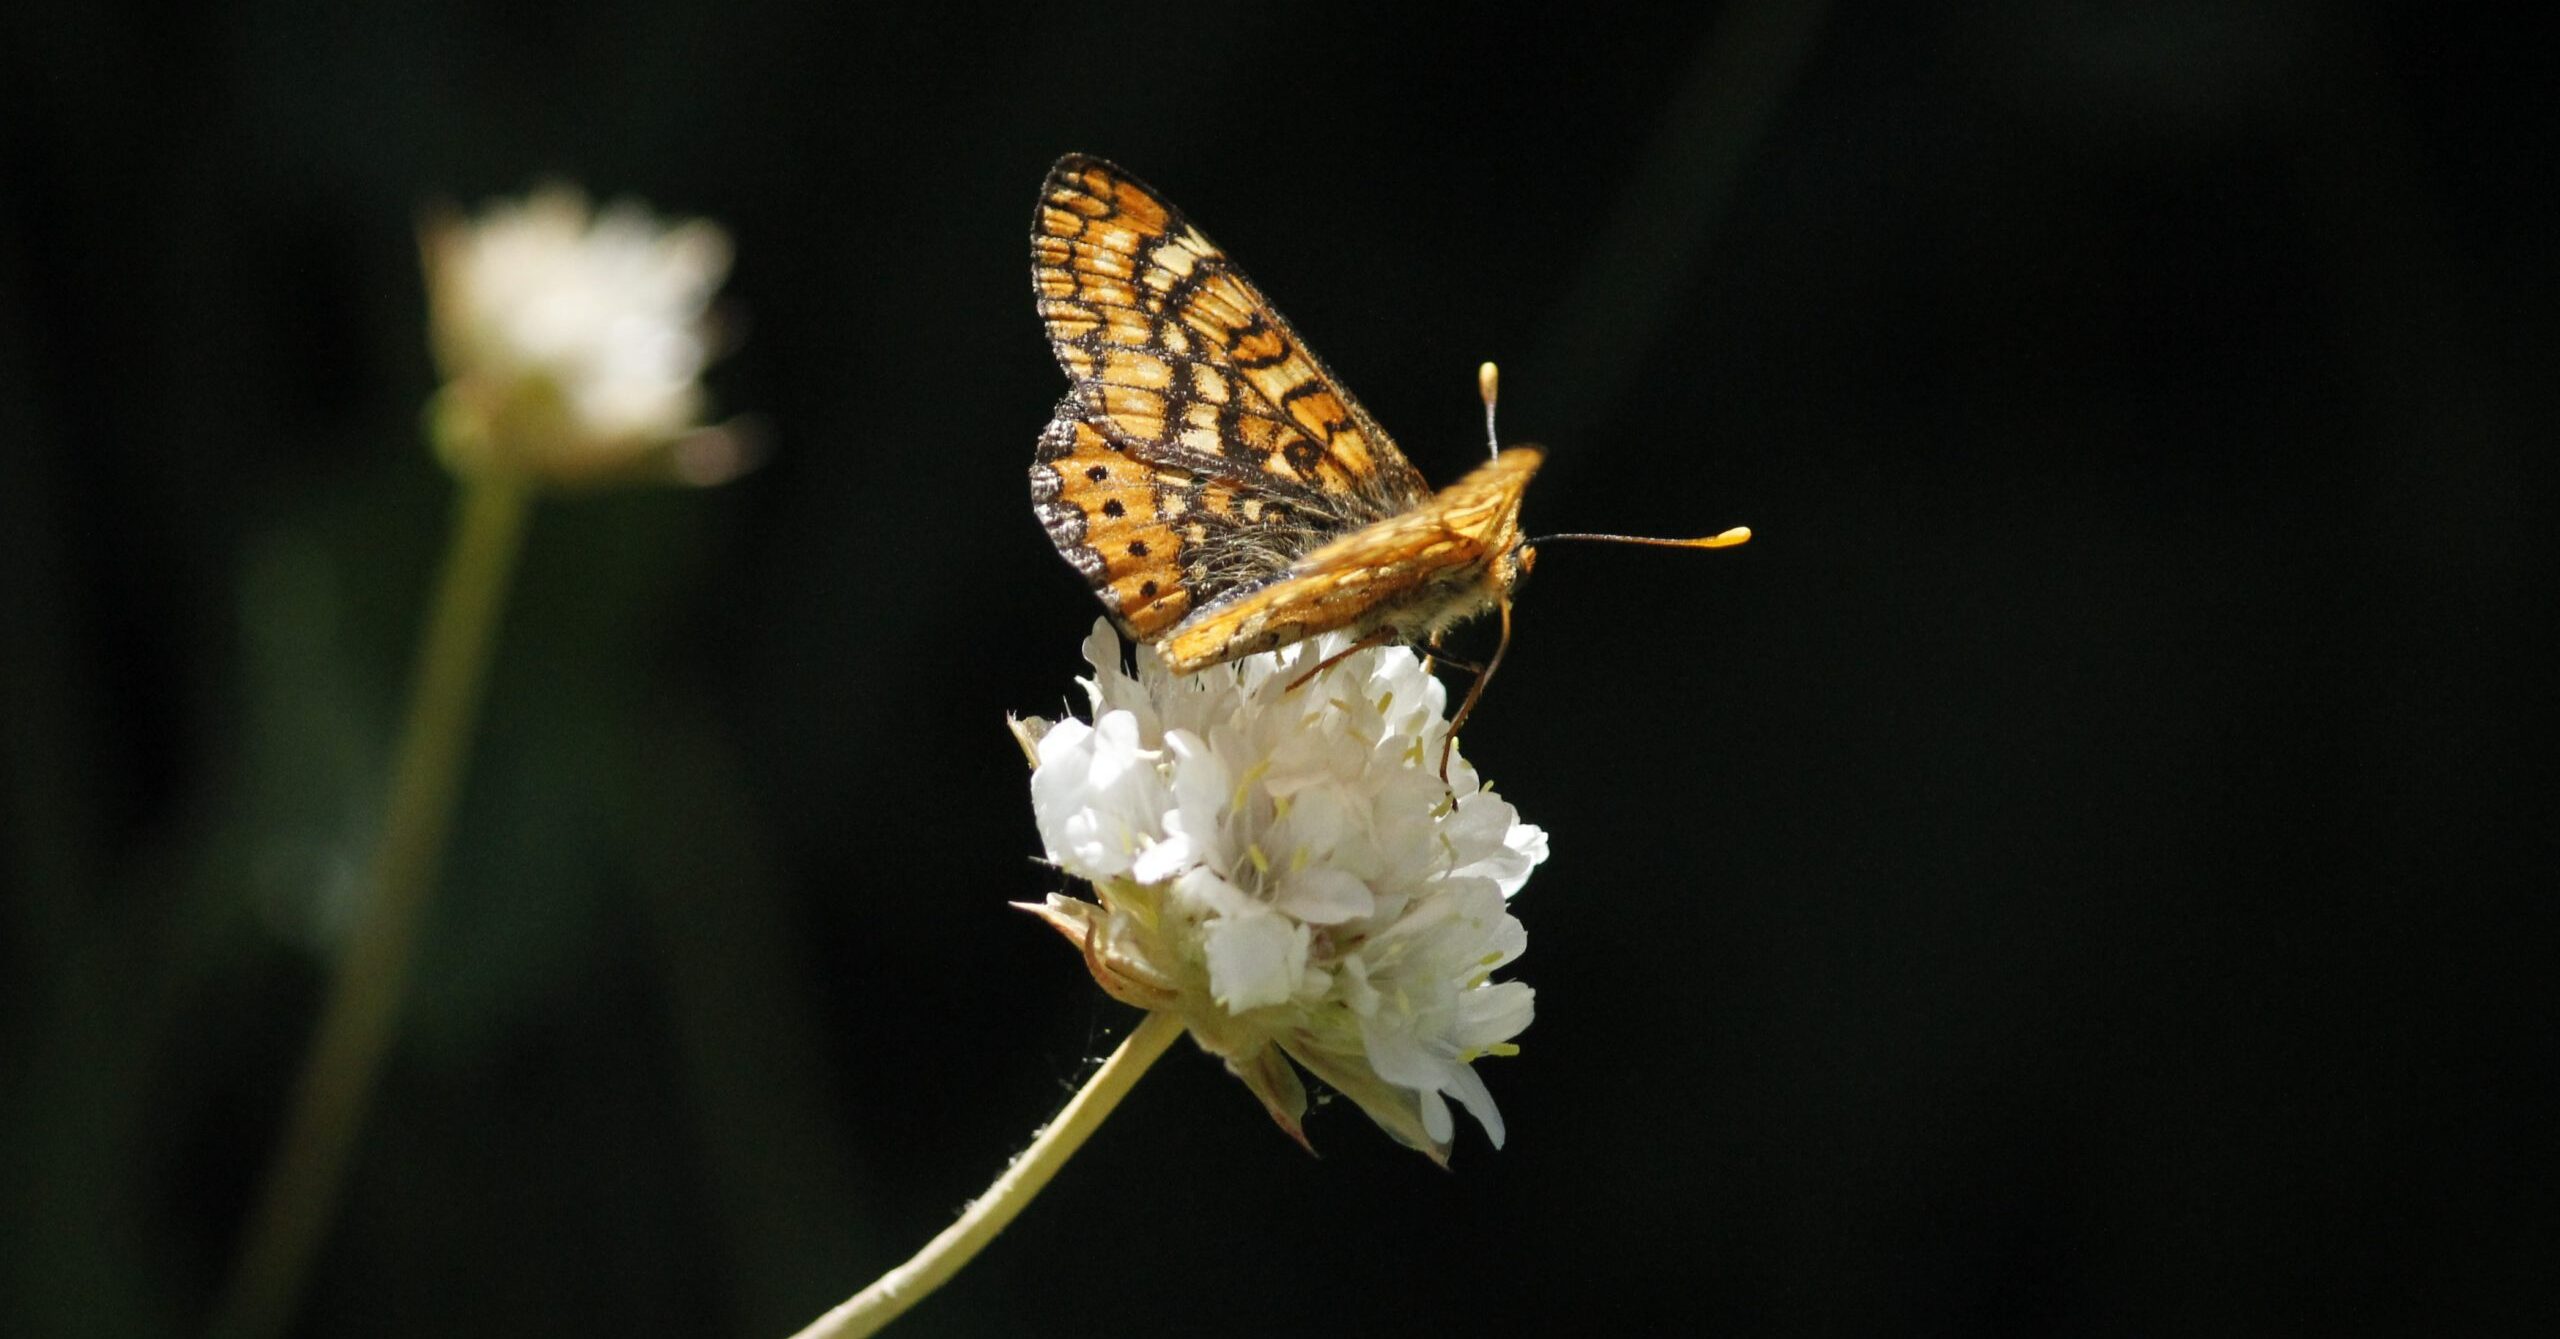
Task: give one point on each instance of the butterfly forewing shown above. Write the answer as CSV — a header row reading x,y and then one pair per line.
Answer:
x,y
1182,360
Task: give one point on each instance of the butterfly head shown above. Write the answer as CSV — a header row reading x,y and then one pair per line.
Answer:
x,y
1517,564
1513,567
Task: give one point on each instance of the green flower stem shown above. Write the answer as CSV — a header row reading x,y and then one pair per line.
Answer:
x,y
300,1196
892,1293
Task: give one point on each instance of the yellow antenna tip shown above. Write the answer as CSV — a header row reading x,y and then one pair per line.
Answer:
x,y
1740,534
1488,382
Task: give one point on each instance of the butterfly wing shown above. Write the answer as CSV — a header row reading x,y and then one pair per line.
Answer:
x,y
1190,388
1155,542
1440,561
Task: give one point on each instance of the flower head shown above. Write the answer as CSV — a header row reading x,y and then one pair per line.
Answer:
x,y
573,345
1285,868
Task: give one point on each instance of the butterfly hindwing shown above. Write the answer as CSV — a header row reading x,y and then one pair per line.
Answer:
x,y
1155,543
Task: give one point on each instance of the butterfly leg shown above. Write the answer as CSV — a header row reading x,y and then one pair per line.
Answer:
x,y
1437,658
1483,677
1374,637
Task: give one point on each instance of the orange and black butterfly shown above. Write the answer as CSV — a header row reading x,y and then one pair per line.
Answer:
x,y
1206,474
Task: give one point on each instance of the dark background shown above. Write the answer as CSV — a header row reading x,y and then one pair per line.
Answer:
x,y
2086,865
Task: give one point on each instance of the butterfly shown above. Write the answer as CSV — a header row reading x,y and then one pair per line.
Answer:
x,y
1215,483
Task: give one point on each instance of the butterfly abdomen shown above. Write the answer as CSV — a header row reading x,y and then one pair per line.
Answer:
x,y
1357,602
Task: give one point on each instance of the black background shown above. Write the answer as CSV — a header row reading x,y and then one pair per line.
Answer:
x,y
2086,865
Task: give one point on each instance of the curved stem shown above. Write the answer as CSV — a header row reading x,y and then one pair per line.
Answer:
x,y
892,1293
300,1195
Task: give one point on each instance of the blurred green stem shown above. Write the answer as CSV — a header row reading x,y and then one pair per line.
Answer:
x,y
300,1196
892,1293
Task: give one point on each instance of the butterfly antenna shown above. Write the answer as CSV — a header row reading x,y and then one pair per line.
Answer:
x,y
1489,385
1737,535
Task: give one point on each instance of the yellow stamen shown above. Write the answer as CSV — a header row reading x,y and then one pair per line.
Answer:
x,y
1245,782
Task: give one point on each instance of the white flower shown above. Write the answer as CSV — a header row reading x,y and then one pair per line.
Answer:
x,y
573,346
1286,869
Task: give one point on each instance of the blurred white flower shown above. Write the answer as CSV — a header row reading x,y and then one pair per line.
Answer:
x,y
1286,870
573,345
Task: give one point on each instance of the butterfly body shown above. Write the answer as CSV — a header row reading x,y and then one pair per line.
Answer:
x,y
1206,474
1408,578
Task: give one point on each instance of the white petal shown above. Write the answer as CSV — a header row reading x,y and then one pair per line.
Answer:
x,y
1465,1085
1356,990
1254,959
1164,859
1205,889
1399,1059
1203,785
1493,1014
1063,740
1321,896
1435,1118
